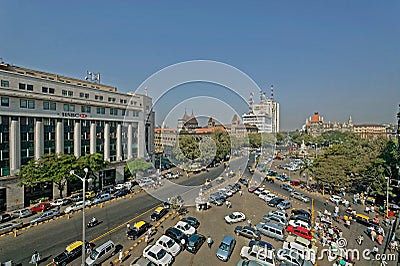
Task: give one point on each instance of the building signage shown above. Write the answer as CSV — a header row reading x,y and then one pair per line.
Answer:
x,y
69,114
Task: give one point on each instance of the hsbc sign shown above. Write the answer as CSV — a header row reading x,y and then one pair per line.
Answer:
x,y
76,115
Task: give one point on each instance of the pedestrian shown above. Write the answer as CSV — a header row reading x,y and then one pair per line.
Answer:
x,y
240,192
360,239
374,250
373,235
326,203
209,241
249,222
58,208
120,256
149,232
128,226
35,259
146,238
348,223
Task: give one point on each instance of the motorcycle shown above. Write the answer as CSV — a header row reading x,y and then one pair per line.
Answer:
x,y
93,223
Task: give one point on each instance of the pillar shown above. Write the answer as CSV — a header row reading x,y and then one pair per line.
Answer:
x,y
119,143
15,147
130,141
107,142
141,139
60,137
77,139
39,140
93,138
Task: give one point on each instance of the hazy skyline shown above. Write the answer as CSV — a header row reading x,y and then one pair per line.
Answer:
x,y
337,58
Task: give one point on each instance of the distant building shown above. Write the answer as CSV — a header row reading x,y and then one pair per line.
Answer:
x,y
164,140
187,123
263,115
238,130
370,131
315,125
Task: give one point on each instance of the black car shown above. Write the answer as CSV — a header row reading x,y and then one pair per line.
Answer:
x,y
177,235
158,213
237,185
192,221
248,232
301,212
5,217
195,242
138,229
261,244
275,201
244,181
301,218
287,187
76,198
121,193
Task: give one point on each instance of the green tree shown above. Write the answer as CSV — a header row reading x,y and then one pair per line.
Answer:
x,y
135,165
223,143
93,162
52,168
307,168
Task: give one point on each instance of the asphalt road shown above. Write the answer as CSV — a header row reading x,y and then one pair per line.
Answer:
x,y
51,238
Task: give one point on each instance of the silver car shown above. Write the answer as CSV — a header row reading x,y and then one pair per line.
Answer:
x,y
45,216
299,196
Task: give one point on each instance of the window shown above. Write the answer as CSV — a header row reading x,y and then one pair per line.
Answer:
x,y
23,103
5,83
70,93
81,94
69,107
29,87
45,89
109,99
123,112
64,92
51,90
5,101
87,95
22,86
98,97
101,110
49,105
85,109
31,104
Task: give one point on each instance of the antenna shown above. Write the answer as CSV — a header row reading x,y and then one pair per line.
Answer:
x,y
272,92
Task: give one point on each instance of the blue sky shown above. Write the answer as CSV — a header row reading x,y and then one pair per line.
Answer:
x,y
339,58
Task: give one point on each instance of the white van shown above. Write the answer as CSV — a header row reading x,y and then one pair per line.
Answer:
x,y
102,198
101,253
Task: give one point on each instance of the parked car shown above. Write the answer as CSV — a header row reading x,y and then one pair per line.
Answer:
x,y
90,195
60,202
71,252
101,253
5,217
192,221
45,216
261,244
169,245
335,199
300,231
139,228
244,181
291,257
282,178
41,207
280,213
287,187
195,242
300,217
158,255
246,262
248,232
121,193
226,247
23,213
284,205
300,196
259,254
259,190
78,205
186,228
302,246
252,189
102,198
275,201
301,212
275,219
76,198
235,217
300,223
158,213
177,235
10,226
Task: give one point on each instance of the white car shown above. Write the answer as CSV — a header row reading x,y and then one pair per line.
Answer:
x,y
157,255
302,246
335,199
185,228
280,213
300,196
292,257
259,190
259,254
119,186
235,217
59,202
225,191
269,197
300,223
169,245
77,206
264,194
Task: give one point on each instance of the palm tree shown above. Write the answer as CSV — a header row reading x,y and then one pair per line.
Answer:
x,y
307,168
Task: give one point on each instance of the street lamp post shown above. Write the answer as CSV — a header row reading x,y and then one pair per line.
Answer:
x,y
83,211
387,196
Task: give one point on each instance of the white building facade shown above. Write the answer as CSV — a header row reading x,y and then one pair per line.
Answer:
x,y
264,115
44,113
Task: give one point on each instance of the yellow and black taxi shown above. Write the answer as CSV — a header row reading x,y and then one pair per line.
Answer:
x,y
71,252
138,229
158,214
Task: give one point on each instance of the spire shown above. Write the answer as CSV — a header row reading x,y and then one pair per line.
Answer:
x,y
350,122
272,92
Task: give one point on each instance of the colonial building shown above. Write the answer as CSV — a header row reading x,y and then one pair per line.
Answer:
x,y
370,131
44,113
315,125
238,130
164,140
